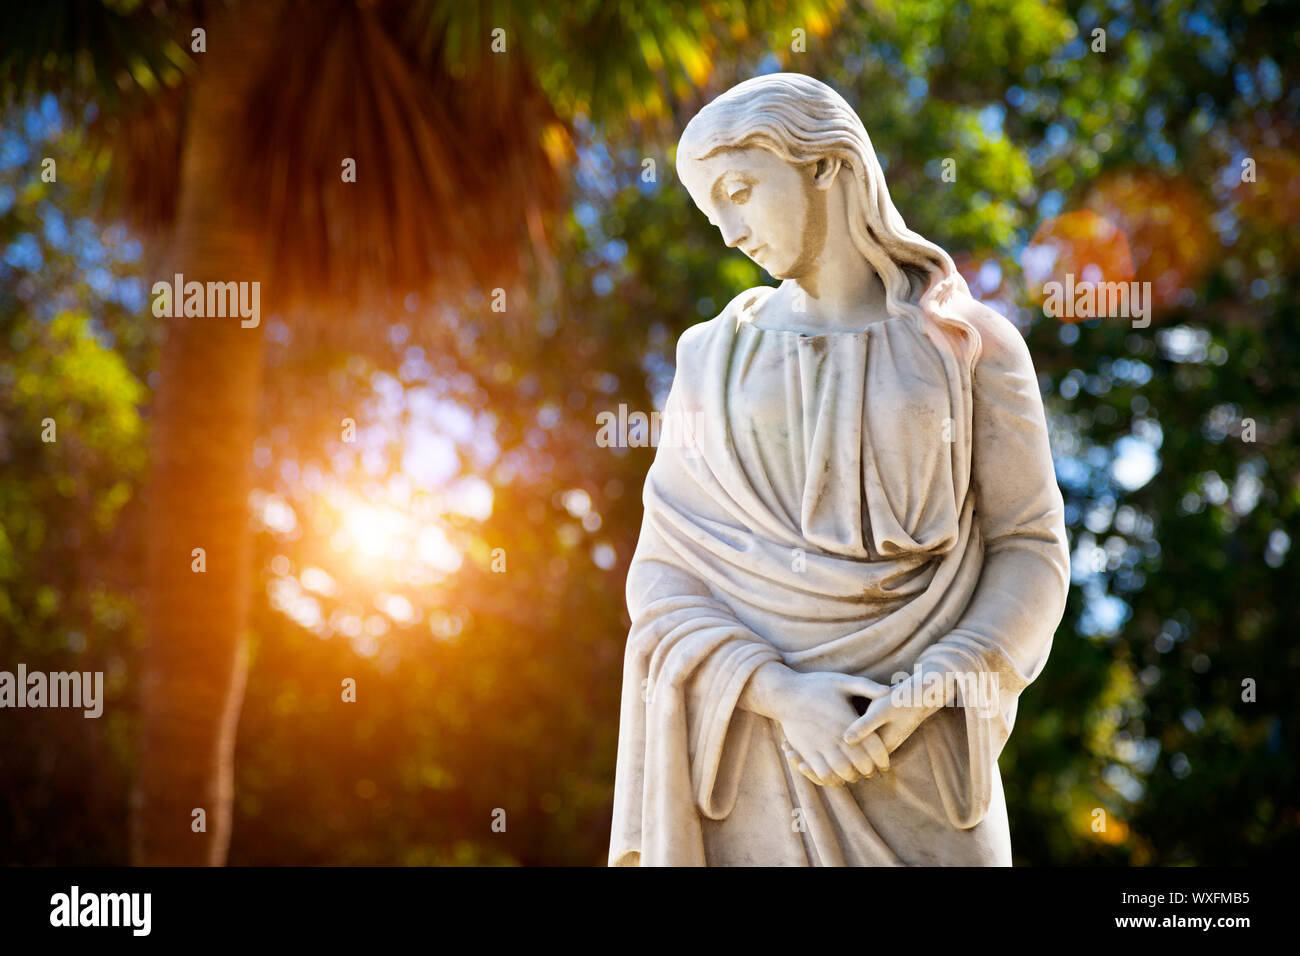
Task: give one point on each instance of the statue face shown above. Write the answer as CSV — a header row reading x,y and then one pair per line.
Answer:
x,y
761,204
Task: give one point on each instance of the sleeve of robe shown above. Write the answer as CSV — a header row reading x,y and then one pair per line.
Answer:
x,y
1007,628
687,661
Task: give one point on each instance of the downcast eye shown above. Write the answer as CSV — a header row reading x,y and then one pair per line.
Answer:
x,y
739,195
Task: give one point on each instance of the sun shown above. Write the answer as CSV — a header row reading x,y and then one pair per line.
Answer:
x,y
386,535
373,531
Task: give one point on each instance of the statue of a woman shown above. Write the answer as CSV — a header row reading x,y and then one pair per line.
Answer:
x,y
846,579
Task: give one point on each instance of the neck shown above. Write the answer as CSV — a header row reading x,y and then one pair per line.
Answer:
x,y
842,292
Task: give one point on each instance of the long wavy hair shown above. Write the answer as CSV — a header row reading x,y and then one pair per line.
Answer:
x,y
803,120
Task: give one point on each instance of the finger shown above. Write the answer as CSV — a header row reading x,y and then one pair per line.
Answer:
x,y
869,722
807,771
865,687
821,771
860,758
842,766
879,752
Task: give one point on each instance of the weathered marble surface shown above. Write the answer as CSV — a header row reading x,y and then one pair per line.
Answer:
x,y
865,493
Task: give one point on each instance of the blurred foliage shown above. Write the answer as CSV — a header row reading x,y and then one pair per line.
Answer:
x,y
73,359
463,558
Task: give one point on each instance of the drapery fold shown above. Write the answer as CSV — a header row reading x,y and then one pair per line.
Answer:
x,y
859,502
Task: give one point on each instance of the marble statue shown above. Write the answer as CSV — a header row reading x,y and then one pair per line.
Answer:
x,y
848,574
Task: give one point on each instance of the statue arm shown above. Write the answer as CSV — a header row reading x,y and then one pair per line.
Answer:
x,y
657,578
1009,624
687,664
1000,644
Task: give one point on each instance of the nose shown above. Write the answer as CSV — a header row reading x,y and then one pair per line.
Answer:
x,y
733,233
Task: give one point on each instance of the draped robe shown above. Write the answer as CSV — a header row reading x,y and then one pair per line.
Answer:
x,y
860,502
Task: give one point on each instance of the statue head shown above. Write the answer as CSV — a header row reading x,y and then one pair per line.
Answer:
x,y
768,162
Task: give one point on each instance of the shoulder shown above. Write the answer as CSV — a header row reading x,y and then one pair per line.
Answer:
x,y
697,338
1002,348
1004,378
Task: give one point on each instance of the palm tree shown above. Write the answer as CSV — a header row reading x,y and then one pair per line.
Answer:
x,y
230,159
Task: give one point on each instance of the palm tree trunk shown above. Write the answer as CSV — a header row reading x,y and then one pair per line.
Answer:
x,y
205,423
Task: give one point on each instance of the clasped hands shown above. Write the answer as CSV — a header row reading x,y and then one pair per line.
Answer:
x,y
823,735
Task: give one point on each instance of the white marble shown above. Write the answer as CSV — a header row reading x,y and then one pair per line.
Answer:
x,y
868,499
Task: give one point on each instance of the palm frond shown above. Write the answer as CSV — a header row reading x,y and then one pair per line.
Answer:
x,y
110,53
449,171
120,65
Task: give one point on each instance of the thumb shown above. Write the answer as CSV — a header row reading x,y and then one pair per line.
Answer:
x,y
876,716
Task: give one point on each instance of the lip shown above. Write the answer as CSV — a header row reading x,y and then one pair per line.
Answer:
x,y
754,252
